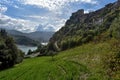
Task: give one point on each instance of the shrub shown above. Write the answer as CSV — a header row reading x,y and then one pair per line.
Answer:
x,y
9,54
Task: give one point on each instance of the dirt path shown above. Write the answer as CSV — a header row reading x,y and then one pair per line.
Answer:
x,y
56,45
32,55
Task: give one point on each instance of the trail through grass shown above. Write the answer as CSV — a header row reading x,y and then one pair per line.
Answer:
x,y
80,63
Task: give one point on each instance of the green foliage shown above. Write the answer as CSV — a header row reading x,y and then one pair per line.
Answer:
x,y
9,54
3,33
29,52
43,50
51,46
52,54
81,29
115,28
23,40
70,43
113,59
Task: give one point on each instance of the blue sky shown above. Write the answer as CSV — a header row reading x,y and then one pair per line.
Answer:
x,y
42,15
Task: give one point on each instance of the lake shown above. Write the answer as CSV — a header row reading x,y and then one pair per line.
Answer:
x,y
26,48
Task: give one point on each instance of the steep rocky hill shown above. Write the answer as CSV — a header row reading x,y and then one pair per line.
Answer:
x,y
84,27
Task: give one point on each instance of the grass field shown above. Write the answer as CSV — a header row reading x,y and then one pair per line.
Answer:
x,y
81,63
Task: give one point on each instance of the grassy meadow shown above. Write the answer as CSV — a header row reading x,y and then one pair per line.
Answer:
x,y
81,63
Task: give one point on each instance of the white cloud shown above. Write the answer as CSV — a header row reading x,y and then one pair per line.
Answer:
x,y
52,21
59,23
16,6
89,1
54,4
17,24
47,27
88,10
37,17
59,11
3,9
51,24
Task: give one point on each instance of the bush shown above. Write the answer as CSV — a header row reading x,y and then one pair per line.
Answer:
x,y
112,61
29,52
115,28
9,54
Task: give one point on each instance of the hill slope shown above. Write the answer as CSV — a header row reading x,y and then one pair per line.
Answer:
x,y
97,57
84,27
81,63
23,40
40,36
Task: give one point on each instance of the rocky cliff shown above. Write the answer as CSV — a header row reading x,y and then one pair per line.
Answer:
x,y
84,27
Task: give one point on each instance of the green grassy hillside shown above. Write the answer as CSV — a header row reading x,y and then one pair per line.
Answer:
x,y
81,63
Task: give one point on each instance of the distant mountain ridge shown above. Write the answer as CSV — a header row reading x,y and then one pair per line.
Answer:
x,y
32,38
40,36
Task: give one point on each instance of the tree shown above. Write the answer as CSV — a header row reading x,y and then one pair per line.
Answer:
x,y
29,52
9,53
116,28
3,32
52,54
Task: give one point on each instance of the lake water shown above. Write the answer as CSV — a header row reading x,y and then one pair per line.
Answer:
x,y
26,48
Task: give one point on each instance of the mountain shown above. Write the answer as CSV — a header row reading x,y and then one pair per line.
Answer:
x,y
97,57
40,36
45,28
23,40
15,32
32,38
83,27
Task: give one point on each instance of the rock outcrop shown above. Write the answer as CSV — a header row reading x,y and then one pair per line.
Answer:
x,y
80,24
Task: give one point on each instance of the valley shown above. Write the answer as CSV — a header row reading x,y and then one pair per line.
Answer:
x,y
86,47
30,39
25,49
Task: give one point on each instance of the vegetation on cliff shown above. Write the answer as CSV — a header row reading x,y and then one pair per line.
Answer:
x,y
82,28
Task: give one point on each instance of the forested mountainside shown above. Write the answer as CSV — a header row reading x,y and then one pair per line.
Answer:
x,y
83,27
9,54
23,40
30,39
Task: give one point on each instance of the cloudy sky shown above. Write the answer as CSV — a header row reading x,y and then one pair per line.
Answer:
x,y
42,15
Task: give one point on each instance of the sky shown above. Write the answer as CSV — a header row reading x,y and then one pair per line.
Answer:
x,y
42,15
